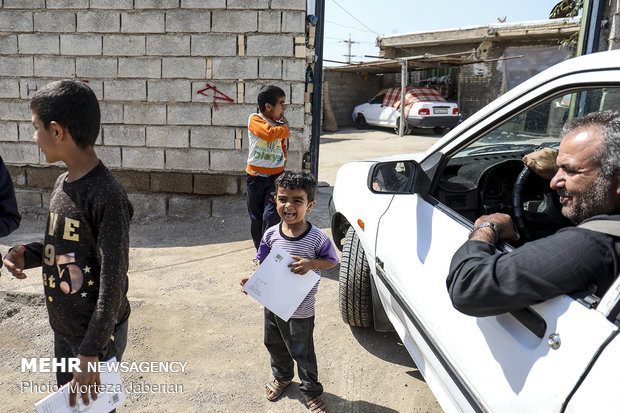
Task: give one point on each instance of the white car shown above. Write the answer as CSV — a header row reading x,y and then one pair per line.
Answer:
x,y
400,220
424,107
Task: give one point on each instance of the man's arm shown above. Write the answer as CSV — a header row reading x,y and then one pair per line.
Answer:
x,y
542,162
9,214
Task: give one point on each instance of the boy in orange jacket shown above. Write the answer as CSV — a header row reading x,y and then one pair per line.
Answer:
x,y
267,132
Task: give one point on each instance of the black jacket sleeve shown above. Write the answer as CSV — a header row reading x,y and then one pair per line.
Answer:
x,y
9,214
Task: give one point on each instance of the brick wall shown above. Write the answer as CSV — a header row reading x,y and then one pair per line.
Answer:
x,y
176,80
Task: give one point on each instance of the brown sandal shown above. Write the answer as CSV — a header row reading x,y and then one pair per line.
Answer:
x,y
316,405
276,387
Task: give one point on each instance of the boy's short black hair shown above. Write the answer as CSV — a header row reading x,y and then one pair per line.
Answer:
x,y
297,180
269,94
73,105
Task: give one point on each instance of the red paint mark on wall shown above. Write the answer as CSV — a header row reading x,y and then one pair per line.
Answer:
x,y
216,95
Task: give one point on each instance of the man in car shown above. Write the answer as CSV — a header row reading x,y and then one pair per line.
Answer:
x,y
482,282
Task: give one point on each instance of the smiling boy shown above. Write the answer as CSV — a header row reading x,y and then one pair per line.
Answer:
x,y
312,249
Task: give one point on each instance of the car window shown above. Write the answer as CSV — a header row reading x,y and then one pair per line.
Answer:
x,y
377,99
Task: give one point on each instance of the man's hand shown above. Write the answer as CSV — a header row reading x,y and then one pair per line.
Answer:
x,y
542,162
14,261
301,265
504,225
85,378
242,283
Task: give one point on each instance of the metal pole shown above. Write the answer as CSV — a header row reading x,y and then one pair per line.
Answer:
x,y
317,94
403,85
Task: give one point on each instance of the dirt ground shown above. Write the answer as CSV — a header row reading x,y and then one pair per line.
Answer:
x,y
187,307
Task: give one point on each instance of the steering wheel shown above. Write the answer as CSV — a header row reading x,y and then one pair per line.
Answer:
x,y
545,211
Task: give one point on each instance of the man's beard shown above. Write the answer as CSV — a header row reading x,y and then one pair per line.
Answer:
x,y
594,201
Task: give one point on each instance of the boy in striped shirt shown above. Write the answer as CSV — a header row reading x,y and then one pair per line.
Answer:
x,y
292,340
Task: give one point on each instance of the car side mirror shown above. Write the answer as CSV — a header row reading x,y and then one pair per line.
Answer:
x,y
398,177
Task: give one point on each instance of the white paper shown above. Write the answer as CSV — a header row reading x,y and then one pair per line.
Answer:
x,y
58,402
276,287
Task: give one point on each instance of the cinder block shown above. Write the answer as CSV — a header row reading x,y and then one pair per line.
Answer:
x,y
295,116
233,115
212,137
143,22
234,21
297,139
24,4
124,135
228,160
156,4
269,21
124,45
26,131
167,136
80,44
219,92
213,45
183,21
54,21
173,182
141,113
109,155
27,86
269,45
253,88
189,206
247,4
9,88
230,206
148,205
27,199
101,67
298,93
38,43
270,68
111,4
14,110
8,44
15,21
139,67
294,161
66,4
214,184
18,175
134,181
184,67
54,66
189,114
142,158
168,45
8,131
294,69
44,177
203,4
294,21
235,68
169,91
97,87
19,153
288,4
125,90
111,112
98,21
187,159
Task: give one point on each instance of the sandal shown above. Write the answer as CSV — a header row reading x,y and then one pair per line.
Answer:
x,y
275,389
316,405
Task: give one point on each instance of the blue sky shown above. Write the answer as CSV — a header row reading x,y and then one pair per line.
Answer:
x,y
401,16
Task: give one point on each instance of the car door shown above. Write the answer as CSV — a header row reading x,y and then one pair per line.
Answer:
x,y
489,363
373,110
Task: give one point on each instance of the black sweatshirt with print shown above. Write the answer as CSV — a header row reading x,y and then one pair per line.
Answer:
x,y
85,256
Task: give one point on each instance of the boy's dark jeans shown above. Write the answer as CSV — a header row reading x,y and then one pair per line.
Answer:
x,y
64,349
261,205
292,340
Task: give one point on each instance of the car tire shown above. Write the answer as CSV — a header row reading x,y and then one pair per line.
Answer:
x,y
360,122
405,130
355,291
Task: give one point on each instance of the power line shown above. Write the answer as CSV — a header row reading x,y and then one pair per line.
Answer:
x,y
347,27
346,11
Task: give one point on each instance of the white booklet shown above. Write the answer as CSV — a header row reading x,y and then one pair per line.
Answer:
x,y
111,396
276,287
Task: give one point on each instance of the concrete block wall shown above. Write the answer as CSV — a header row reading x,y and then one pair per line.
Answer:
x,y
176,80
349,89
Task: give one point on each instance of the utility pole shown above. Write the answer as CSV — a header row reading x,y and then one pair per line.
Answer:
x,y
350,42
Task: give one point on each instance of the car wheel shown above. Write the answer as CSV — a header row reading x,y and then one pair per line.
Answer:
x,y
396,128
360,122
355,294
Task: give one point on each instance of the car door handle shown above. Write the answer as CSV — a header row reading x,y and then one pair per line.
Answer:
x,y
531,320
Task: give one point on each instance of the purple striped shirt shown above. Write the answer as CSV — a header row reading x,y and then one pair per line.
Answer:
x,y
312,244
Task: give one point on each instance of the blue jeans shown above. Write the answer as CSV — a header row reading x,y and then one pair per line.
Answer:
x,y
260,196
292,340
